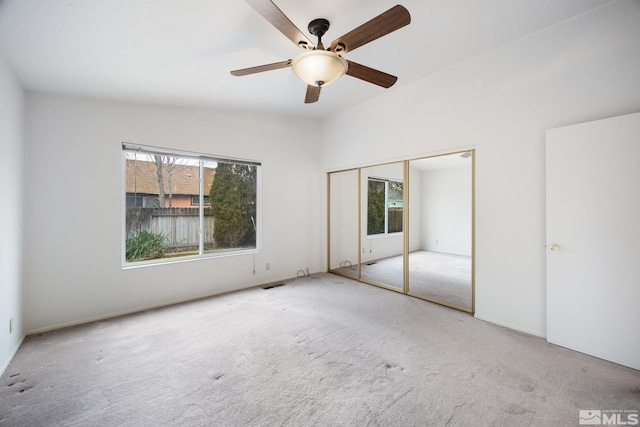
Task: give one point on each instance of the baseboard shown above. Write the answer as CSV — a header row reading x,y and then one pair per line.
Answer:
x,y
514,327
5,365
149,307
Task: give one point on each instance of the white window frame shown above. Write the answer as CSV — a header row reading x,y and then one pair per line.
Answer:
x,y
386,182
127,147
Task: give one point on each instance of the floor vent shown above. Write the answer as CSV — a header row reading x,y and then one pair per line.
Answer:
x,y
274,285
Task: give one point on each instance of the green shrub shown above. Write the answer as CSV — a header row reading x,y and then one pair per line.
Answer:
x,y
143,245
233,204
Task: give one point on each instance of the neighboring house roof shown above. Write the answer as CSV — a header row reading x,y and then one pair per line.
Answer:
x,y
141,177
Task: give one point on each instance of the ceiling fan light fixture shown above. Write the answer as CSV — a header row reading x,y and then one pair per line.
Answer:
x,y
319,67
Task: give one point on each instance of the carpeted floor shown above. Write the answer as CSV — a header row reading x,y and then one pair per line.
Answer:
x,y
435,275
325,351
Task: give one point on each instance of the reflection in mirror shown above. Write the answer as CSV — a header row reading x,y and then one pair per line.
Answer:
x,y
440,227
382,247
343,223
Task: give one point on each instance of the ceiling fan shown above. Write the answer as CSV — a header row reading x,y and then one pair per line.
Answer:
x,y
319,67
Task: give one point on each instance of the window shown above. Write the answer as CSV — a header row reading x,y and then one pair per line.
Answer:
x,y
195,201
384,206
184,205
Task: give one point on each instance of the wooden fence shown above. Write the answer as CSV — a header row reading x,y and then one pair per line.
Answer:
x,y
394,220
180,226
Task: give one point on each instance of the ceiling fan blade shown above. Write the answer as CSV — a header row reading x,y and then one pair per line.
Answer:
x,y
278,19
370,75
383,24
313,94
261,68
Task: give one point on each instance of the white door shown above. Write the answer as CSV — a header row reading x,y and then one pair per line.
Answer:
x,y
593,238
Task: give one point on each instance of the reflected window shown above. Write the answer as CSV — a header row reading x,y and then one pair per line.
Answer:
x,y
384,206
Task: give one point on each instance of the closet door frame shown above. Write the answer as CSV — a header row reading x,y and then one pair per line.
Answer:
x,y
405,230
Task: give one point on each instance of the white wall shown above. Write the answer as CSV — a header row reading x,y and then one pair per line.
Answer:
x,y
447,211
416,213
11,212
501,103
74,205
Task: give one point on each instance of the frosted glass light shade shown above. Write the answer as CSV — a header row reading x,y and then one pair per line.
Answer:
x,y
319,67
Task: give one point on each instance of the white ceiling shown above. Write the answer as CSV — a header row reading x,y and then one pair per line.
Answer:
x,y
180,52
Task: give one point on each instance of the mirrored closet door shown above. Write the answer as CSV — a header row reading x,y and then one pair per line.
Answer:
x,y
441,229
407,226
343,223
381,225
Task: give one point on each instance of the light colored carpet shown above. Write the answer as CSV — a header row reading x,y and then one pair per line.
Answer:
x,y
441,276
436,275
315,352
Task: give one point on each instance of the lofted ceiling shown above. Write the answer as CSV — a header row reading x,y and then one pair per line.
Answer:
x,y
180,52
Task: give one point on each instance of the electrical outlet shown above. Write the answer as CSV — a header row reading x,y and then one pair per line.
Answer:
x,y
267,266
11,325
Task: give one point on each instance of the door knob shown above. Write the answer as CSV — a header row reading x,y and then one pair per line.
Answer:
x,y
554,247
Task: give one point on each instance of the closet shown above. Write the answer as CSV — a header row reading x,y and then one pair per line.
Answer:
x,y
407,226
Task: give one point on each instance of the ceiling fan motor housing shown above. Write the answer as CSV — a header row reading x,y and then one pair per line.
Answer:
x,y
318,27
